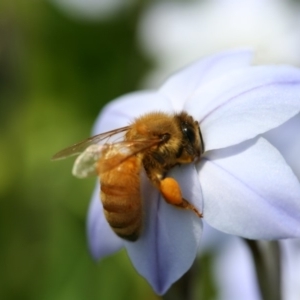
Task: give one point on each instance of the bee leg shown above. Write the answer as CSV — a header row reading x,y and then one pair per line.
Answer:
x,y
171,192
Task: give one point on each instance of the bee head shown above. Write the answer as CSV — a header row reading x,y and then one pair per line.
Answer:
x,y
192,142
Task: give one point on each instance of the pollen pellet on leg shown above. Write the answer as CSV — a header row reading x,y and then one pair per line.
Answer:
x,y
170,190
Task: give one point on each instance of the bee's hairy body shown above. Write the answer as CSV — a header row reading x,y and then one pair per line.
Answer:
x,y
180,142
121,198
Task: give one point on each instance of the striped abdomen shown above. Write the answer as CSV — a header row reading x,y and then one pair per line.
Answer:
x,y
121,198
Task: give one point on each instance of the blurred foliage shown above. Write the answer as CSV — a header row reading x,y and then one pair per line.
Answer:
x,y
56,73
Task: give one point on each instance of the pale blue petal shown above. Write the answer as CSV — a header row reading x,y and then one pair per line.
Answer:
x,y
213,240
170,238
286,139
122,111
102,240
250,191
290,268
181,86
234,272
245,103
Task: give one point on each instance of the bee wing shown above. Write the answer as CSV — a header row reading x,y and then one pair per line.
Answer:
x,y
83,145
86,163
98,159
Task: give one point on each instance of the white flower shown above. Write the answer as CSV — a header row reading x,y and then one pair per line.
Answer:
x,y
175,33
242,184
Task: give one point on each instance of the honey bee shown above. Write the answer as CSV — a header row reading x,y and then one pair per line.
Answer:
x,y
156,142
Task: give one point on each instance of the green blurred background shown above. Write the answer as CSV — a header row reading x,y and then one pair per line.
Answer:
x,y
56,73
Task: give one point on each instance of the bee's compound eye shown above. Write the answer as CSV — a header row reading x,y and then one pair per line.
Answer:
x,y
188,132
